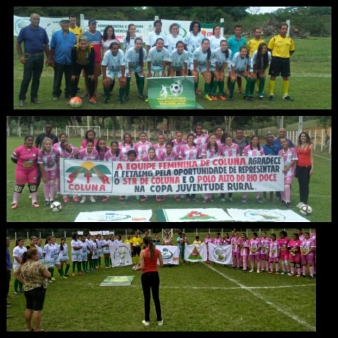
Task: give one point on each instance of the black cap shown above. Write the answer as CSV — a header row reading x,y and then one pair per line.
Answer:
x,y
91,21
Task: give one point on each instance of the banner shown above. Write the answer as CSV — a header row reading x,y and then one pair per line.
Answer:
x,y
195,253
170,254
115,216
252,215
172,93
221,174
220,254
120,254
193,215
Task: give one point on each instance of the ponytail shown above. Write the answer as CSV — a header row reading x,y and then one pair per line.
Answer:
x,y
28,255
150,244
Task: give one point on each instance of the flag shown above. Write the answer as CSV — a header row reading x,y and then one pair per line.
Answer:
x,y
120,254
170,254
195,253
220,254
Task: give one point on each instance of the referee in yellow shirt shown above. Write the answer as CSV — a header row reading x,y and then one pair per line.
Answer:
x,y
130,241
281,48
137,242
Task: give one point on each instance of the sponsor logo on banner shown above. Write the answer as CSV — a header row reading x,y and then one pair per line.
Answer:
x,y
120,254
170,254
196,215
220,254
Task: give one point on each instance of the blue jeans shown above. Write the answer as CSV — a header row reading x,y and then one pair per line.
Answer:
x,y
59,70
32,70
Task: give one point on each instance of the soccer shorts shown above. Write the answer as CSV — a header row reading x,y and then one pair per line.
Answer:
x,y
22,176
279,66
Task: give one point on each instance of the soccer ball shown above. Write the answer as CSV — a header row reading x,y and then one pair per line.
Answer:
x,y
56,206
75,102
134,268
306,210
176,88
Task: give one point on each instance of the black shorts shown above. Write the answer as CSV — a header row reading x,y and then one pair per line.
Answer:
x,y
136,251
35,298
279,66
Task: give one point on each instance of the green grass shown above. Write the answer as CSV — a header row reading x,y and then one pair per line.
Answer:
x,y
310,85
193,298
320,198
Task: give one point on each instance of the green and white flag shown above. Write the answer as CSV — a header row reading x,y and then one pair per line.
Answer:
x,y
172,93
120,255
195,253
170,254
220,254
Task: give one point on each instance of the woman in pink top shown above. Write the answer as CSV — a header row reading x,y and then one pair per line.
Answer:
x,y
200,138
307,251
218,131
178,142
274,252
151,157
265,241
90,135
295,255
255,249
126,145
207,240
245,251
160,146
142,146
283,241
150,257
101,148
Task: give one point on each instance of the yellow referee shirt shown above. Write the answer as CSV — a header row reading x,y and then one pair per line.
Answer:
x,y
253,45
137,241
77,31
281,47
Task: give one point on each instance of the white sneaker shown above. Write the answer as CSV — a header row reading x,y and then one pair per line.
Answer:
x,y
83,199
300,204
145,323
251,271
160,323
92,199
258,271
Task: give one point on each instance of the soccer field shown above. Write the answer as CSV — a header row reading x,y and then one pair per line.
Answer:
x,y
320,197
193,297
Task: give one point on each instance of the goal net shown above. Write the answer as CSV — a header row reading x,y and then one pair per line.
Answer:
x,y
80,131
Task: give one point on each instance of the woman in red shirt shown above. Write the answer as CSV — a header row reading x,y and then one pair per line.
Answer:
x,y
305,166
149,258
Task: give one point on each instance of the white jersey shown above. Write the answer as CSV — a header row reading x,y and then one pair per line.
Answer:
x,y
202,58
193,42
157,57
152,37
55,247
130,44
106,249
63,253
173,40
48,251
113,62
90,245
220,58
240,64
178,60
95,251
40,251
73,244
18,253
84,250
133,56
215,42
260,64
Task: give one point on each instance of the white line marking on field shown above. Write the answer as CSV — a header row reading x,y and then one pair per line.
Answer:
x,y
276,307
325,196
323,157
311,75
232,288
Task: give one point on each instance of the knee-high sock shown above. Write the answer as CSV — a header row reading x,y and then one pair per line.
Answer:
x,y
67,268
287,193
312,270
34,196
299,271
287,265
283,194
271,86
79,267
52,271
16,285
292,269
16,197
214,87
271,267
107,92
261,85
141,82
128,86
245,264
267,265
221,87
46,190
196,85
206,88
304,270
258,265
252,89
84,266
232,88
51,189
111,87
121,92
252,264
60,271
248,86
258,83
277,267
58,184
285,87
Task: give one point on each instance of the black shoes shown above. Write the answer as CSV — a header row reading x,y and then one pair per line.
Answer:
x,y
21,103
35,100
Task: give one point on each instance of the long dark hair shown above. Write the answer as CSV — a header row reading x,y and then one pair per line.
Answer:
x,y
209,145
140,59
128,33
227,50
192,24
105,34
118,149
260,56
224,137
28,255
97,144
150,244
209,50
124,139
244,47
90,131
61,245
258,145
308,139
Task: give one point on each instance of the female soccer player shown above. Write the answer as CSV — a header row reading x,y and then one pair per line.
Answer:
x,y
294,255
290,158
245,251
260,61
142,146
219,62
129,39
101,148
218,131
83,57
240,66
178,60
90,135
160,147
216,38
207,240
200,137
255,249
89,154
114,65
174,37
135,58
57,145
226,239
26,159
201,64
253,150
238,246
178,142
48,252
106,251
151,157
307,249
126,145
274,253
48,160
157,33
18,252
40,250
158,57
108,37
264,255
137,242
57,262
210,150
283,241
76,254
190,152
95,253
63,255
84,255
192,41
305,166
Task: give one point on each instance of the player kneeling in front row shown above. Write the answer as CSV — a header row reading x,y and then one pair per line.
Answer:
x,y
113,64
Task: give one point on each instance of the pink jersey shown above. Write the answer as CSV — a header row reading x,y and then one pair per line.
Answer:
x,y
201,140
84,144
301,237
238,243
226,241
83,155
159,149
207,240
255,244
294,246
125,147
72,154
283,243
109,157
142,148
245,247
254,152
188,153
231,151
211,152
219,142
306,244
172,157
217,241
102,153
27,158
177,146
289,156
50,160
146,158
265,245
57,146
313,236
274,247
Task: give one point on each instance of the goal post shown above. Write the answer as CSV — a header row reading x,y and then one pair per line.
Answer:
x,y
80,131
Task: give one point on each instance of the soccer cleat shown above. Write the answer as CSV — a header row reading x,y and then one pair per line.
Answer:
x,y
288,204
120,101
15,205
303,276
73,274
250,98
35,100
158,199
121,198
207,97
106,101
259,200
290,274
50,281
198,92
76,199
283,273
16,292
143,198
92,199
80,273
160,323
261,97
214,98
46,203
300,204
271,97
270,271
53,279
64,277
83,200
287,97
105,199
230,200
66,199
222,97
35,204
298,276
55,98
283,202
93,100
145,323
126,98
231,98
251,270
244,200
177,199
84,95
21,103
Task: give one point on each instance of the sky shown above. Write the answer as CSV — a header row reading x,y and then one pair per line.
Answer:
x,y
267,9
